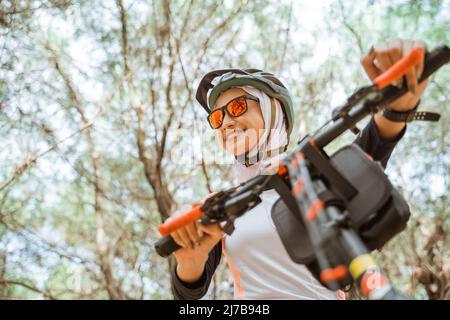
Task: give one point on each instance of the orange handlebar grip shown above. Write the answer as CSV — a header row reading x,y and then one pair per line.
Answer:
x,y
178,222
399,68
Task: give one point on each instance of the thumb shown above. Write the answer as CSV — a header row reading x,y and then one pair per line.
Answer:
x,y
208,196
209,241
368,64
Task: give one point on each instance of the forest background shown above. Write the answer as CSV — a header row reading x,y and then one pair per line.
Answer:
x,y
101,136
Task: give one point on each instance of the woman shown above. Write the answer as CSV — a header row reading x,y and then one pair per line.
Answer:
x,y
252,113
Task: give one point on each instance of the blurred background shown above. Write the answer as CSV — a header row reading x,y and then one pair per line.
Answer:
x,y
101,136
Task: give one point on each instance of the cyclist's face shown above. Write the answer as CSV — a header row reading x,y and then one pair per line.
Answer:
x,y
240,134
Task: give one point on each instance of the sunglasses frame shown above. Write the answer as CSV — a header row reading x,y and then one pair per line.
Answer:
x,y
223,109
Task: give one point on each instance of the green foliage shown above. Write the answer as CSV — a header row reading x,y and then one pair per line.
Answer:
x,y
71,87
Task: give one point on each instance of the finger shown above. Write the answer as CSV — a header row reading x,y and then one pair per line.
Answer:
x,y
411,79
384,63
177,239
369,66
209,241
199,229
212,230
192,233
419,68
422,86
395,54
208,196
185,238
382,59
410,100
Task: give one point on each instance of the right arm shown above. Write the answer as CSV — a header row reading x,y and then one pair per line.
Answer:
x,y
183,290
197,259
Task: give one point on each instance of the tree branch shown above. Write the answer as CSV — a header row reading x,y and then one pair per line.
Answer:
x,y
123,19
113,289
351,29
29,287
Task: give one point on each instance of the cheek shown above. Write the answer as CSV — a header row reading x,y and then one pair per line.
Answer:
x,y
255,128
252,121
259,123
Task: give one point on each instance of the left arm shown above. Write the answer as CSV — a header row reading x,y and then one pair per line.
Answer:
x,y
373,143
381,58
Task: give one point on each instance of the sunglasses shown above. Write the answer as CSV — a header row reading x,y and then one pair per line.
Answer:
x,y
234,108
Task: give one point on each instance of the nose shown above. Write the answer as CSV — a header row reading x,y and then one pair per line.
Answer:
x,y
228,125
228,122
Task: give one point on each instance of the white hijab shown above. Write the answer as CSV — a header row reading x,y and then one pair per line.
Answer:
x,y
273,141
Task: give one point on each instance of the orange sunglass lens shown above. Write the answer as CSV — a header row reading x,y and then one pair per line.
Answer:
x,y
237,107
216,118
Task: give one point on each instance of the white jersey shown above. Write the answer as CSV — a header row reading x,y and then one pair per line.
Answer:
x,y
261,266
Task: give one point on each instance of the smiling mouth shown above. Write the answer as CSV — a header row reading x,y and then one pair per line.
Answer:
x,y
232,134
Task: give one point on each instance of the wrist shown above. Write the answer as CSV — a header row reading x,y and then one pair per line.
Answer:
x,y
190,273
388,130
405,115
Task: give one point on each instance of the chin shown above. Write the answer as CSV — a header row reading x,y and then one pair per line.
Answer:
x,y
239,147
